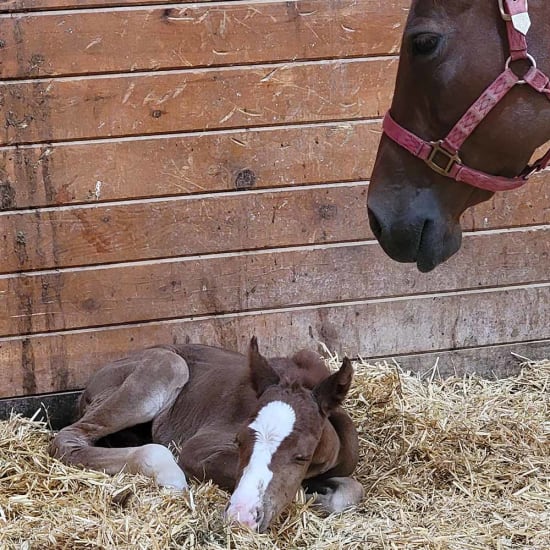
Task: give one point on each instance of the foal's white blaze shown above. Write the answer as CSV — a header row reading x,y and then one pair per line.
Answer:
x,y
274,422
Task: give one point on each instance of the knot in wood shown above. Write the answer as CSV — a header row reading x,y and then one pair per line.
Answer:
x,y
245,179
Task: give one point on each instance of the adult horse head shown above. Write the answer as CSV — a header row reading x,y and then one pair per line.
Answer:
x,y
471,106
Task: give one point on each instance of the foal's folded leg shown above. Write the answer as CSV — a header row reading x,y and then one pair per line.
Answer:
x,y
152,460
155,379
211,454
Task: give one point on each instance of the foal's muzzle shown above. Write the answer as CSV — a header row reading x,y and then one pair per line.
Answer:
x,y
253,518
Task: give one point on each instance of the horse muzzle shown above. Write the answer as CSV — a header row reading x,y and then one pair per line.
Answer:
x,y
252,517
409,236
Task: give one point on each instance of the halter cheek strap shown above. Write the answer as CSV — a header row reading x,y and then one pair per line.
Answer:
x,y
443,156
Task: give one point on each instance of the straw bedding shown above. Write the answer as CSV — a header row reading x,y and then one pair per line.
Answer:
x,y
457,463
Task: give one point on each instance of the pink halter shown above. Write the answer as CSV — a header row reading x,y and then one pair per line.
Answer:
x,y
442,156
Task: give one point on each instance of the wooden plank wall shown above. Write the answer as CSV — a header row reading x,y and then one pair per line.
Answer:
x,y
198,172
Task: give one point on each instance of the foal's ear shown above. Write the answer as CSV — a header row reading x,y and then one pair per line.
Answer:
x,y
332,391
262,375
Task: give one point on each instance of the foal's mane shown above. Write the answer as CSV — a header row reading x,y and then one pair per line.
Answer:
x,y
305,368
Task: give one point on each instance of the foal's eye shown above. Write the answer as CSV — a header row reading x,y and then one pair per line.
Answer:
x,y
425,43
301,459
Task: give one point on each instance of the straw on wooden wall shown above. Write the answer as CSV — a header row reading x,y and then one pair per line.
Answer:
x,y
458,463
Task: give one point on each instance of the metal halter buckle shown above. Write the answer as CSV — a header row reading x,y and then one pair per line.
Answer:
x,y
451,158
531,169
503,14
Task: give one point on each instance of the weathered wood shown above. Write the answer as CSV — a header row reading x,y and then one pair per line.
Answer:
x,y
88,107
191,147
37,45
375,328
185,288
525,206
145,230
501,361
220,161
173,165
10,6
58,409
241,221
488,361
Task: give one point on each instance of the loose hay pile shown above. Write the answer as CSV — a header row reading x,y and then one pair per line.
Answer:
x,y
459,463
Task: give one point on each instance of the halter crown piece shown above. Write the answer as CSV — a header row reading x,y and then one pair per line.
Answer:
x,y
442,156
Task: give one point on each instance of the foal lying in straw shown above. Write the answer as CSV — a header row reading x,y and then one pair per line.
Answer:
x,y
258,427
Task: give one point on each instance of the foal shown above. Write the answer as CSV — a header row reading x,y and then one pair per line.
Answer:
x,y
254,426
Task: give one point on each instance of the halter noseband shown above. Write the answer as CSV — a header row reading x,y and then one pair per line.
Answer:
x,y
442,156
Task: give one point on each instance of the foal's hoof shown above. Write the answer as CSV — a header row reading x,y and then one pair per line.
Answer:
x,y
157,461
172,477
337,494
174,482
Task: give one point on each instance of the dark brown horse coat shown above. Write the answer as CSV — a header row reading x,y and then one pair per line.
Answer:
x,y
450,53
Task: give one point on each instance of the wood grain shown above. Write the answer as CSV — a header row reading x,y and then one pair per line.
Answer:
x,y
195,100
146,230
93,172
38,45
186,288
489,361
378,328
9,6
172,165
198,172
527,205
187,226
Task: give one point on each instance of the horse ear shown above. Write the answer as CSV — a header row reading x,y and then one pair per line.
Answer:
x,y
262,375
332,391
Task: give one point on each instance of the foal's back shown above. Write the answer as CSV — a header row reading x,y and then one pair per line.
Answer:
x,y
219,391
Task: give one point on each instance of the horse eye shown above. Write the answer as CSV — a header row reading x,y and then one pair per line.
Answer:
x,y
425,44
301,459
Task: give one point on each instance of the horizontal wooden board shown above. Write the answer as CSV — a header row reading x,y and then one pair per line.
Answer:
x,y
77,236
527,205
491,362
155,229
378,328
220,161
501,361
195,100
37,45
9,6
194,163
185,288
179,142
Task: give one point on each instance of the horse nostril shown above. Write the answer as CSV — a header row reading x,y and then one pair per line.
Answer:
x,y
399,237
375,225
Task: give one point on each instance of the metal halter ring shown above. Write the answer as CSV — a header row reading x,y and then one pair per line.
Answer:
x,y
531,60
